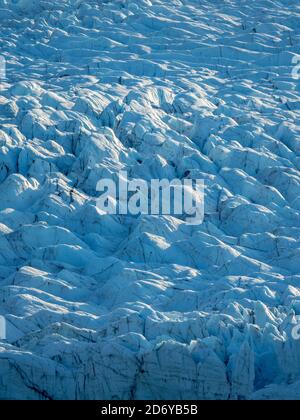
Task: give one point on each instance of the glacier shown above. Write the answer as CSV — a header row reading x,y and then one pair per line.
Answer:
x,y
127,308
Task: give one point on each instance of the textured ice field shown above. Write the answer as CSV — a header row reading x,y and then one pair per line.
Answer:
x,y
115,307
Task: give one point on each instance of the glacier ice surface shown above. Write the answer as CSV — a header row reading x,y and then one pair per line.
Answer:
x,y
117,307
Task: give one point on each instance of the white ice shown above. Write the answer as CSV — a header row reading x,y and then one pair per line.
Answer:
x,y
115,307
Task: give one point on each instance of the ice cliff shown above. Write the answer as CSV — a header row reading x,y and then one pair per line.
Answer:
x,y
149,307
